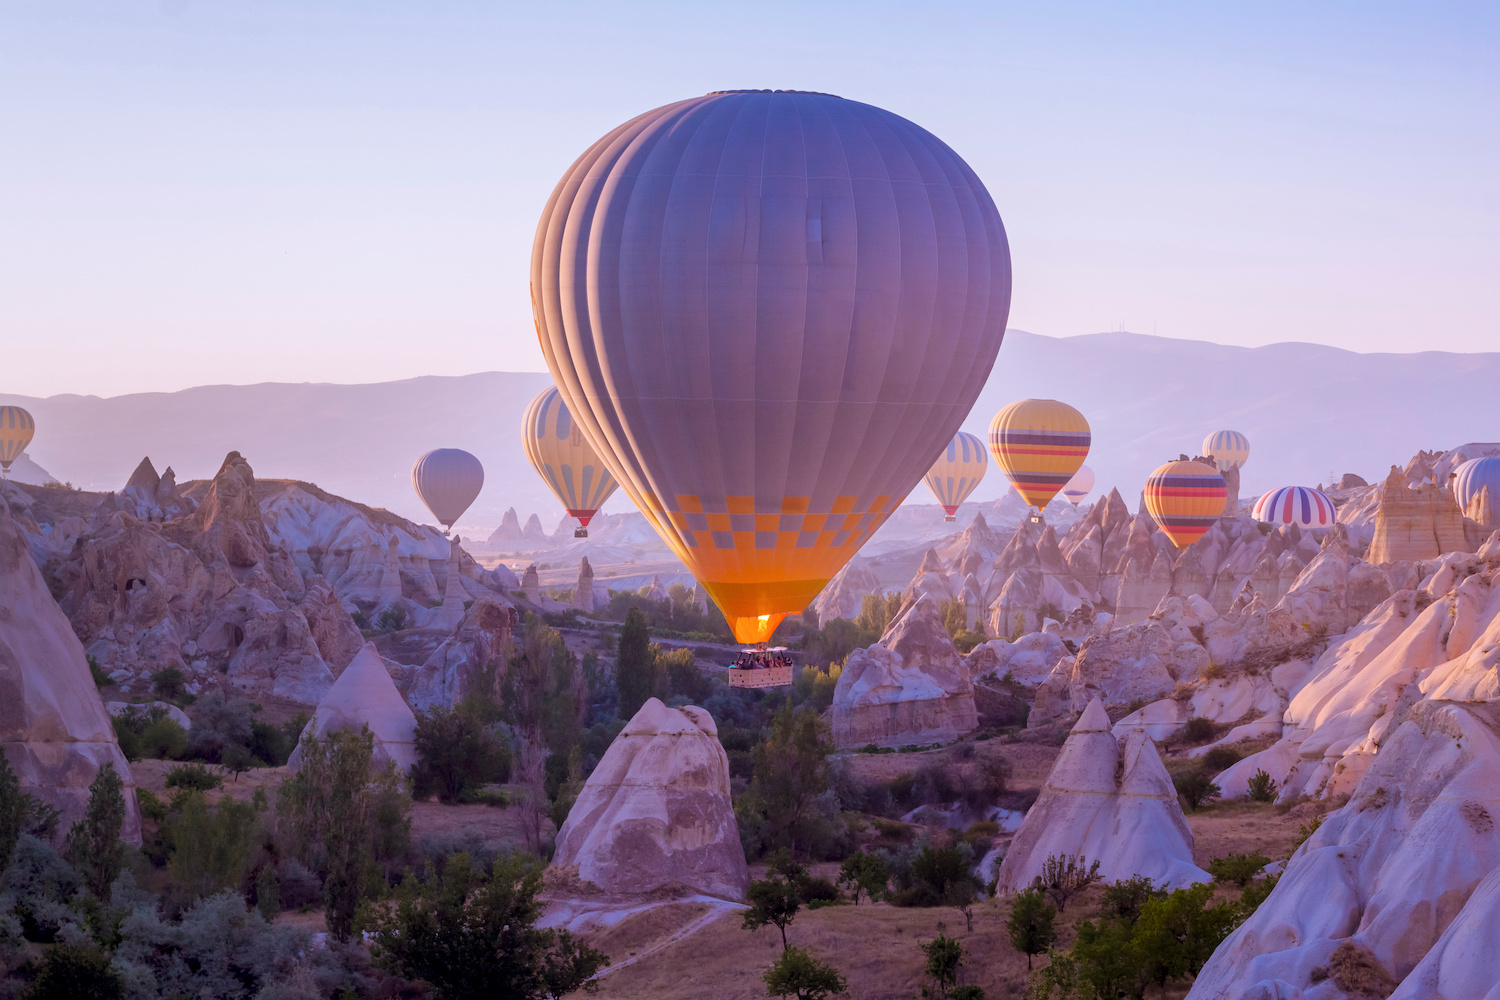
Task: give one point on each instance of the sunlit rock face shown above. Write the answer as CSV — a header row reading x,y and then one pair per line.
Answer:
x,y
1420,522
911,687
54,729
656,813
844,593
364,695
1132,825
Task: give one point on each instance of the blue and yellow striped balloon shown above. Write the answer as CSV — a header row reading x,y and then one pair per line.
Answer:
x,y
16,431
1039,444
1230,449
563,457
1185,499
1299,505
956,472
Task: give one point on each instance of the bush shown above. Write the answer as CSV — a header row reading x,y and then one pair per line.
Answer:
x,y
797,974
1196,788
101,679
194,777
1064,876
464,932
1220,758
170,684
1358,973
1126,899
210,847
219,721
1237,868
149,732
1030,924
458,749
1197,730
1261,788
865,873
73,972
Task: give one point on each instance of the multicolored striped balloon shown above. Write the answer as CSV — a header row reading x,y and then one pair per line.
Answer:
x,y
1079,486
955,474
1039,444
1185,498
1297,505
1228,448
563,457
16,431
1468,480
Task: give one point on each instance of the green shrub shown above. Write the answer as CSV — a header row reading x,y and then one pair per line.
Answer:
x,y
1030,924
1237,868
1196,788
170,684
73,972
1261,787
1220,758
458,750
1197,730
93,845
101,679
795,973
194,777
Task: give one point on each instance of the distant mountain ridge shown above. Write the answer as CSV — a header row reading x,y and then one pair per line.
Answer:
x,y
1309,411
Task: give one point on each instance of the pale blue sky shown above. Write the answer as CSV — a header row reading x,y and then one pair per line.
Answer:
x,y
236,192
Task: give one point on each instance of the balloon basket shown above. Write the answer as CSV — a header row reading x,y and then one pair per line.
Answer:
x,y
764,677
950,518
580,532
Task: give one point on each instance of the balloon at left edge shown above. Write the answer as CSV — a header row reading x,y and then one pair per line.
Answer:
x,y
16,431
447,480
769,311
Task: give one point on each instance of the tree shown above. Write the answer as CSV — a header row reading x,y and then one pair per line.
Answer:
x,y
1030,924
473,936
945,956
1261,787
73,972
774,900
947,871
93,845
1063,877
865,873
798,974
210,847
1237,868
1196,788
457,749
635,667
1126,898
789,773
14,806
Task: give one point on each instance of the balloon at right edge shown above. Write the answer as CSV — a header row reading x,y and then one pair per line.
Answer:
x,y
1039,444
1230,449
16,431
1185,499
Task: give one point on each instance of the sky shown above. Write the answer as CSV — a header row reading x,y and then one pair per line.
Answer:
x,y
233,192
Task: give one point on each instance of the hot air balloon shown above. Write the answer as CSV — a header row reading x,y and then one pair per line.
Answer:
x,y
565,460
16,431
1299,505
447,480
1468,480
1229,449
769,311
1039,444
1079,486
956,472
1186,498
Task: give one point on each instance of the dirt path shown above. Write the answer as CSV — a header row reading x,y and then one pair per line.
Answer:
x,y
716,909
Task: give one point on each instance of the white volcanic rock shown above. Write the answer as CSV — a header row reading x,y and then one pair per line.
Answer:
x,y
364,695
932,580
470,660
656,590
451,611
1028,660
583,591
1135,827
333,631
844,593
531,584
1464,962
509,530
657,811
55,730
910,687
1415,523
1335,590
1391,871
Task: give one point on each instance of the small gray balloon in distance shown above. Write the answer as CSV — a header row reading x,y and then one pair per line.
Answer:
x,y
447,480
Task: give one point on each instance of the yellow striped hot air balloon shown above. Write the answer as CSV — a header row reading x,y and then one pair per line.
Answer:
x,y
956,472
1186,498
16,431
1039,444
565,460
1230,449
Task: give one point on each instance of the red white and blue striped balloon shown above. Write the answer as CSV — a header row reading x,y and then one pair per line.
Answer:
x,y
1299,505
1473,476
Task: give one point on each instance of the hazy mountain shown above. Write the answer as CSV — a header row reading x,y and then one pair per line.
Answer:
x,y
1309,411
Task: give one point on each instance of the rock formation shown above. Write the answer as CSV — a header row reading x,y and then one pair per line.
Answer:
x,y
1131,827
656,813
583,591
451,611
364,695
911,687
509,530
55,730
531,584
1415,523
471,660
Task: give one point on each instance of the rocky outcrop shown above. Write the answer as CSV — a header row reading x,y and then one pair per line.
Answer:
x,y
509,531
1414,523
656,813
54,728
1132,827
845,592
911,687
583,591
364,695
471,660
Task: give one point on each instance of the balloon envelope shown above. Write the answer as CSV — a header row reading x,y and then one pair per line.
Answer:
x,y
563,457
1185,498
1299,505
447,480
1228,448
1469,479
1039,444
957,471
16,431
769,311
1079,486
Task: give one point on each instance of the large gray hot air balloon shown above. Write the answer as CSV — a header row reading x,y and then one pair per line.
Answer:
x,y
447,480
768,312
